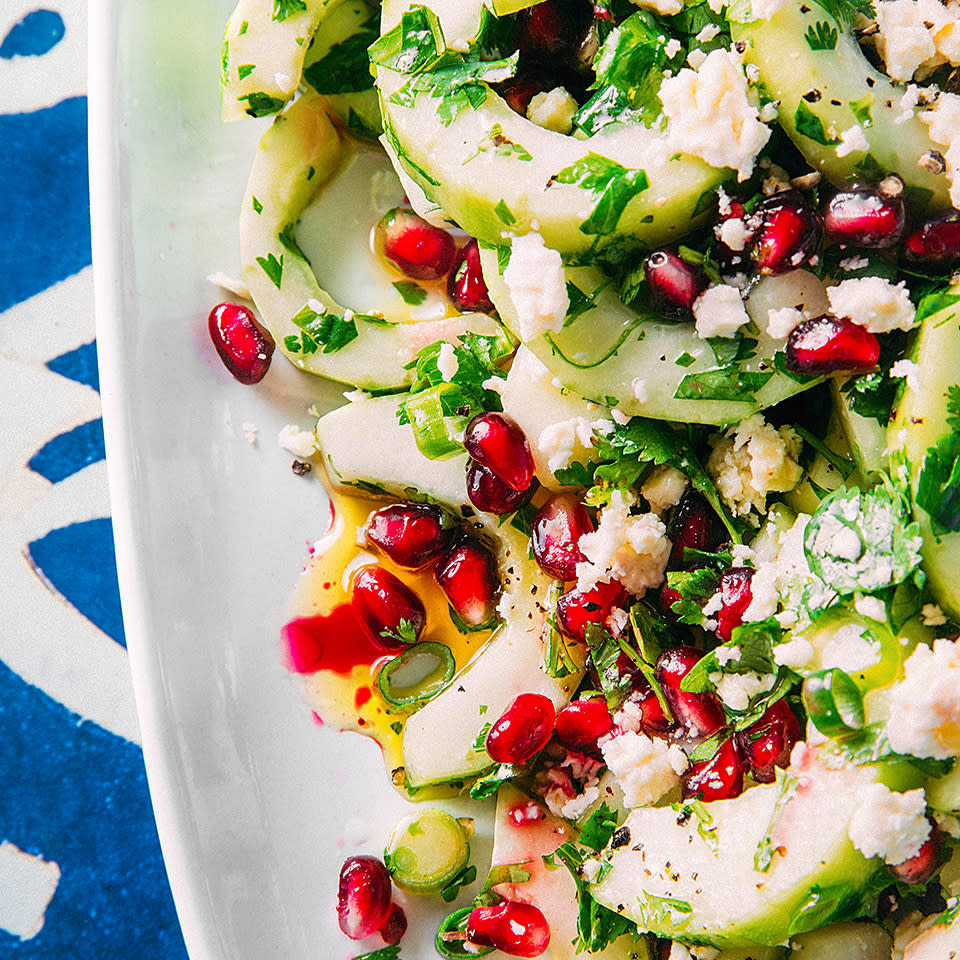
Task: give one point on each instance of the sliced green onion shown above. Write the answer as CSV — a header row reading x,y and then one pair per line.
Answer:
x,y
427,851
432,429
418,674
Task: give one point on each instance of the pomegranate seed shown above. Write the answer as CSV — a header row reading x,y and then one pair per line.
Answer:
x,y
576,609
923,864
523,729
735,597
395,926
700,714
825,344
500,445
668,597
787,232
519,929
582,722
244,346
766,744
468,575
554,534
691,527
410,534
415,247
555,27
487,492
718,778
865,218
526,814
731,258
466,287
673,283
936,243
384,604
518,91
363,897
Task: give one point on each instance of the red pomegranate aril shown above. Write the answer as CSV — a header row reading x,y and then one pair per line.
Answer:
x,y
673,284
496,441
410,534
729,257
243,345
923,864
526,814
766,744
555,27
466,287
865,218
691,527
363,897
582,722
415,247
700,714
576,609
936,243
522,729
387,606
668,597
787,232
467,573
518,929
718,778
826,344
554,533
518,91
735,597
487,492
395,926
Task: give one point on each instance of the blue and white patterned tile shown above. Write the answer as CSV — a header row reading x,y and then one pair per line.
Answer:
x,y
80,868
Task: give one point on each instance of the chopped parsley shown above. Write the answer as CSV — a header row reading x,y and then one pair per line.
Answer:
x,y
938,487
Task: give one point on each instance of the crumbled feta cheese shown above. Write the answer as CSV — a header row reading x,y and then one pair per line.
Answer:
x,y
852,140
617,620
708,33
664,488
639,387
769,111
905,42
631,548
781,323
908,104
910,371
943,119
711,116
932,615
673,47
678,759
765,9
560,442
575,807
924,708
642,767
296,441
250,431
733,232
849,264
795,654
727,655
850,649
537,284
874,303
889,825
696,58
553,110
719,311
618,416
869,606
447,363
753,459
736,690
665,8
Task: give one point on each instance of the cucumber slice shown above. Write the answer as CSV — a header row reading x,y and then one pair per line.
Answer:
x,y
921,422
296,157
426,851
646,366
264,46
418,674
826,86
457,158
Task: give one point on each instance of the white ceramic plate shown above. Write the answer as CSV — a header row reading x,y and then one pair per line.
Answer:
x,y
256,805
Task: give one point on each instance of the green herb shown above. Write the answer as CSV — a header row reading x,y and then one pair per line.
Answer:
x,y
464,878
558,661
862,110
580,303
489,783
287,8
406,632
503,212
938,487
726,383
501,145
695,588
844,465
823,36
411,292
397,727
506,873
245,70
345,68
415,44
598,828
326,332
685,359
273,268
260,104
656,912
384,953
871,395
809,125
844,11
611,183
257,205
833,701
755,642
289,241
934,302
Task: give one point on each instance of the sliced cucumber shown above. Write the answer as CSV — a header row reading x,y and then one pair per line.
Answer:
x,y
296,157
646,366
461,164
426,851
264,46
812,64
921,421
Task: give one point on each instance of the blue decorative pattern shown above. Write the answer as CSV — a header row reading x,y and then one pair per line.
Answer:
x,y
36,34
79,365
65,455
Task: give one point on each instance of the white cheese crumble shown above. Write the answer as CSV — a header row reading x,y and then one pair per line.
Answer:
x,y
765,9
874,303
795,654
447,363
537,284
852,140
639,388
736,690
889,825
642,767
733,232
924,716
296,441
630,548
727,655
781,323
870,606
708,33
943,119
909,370
553,110
664,488
711,115
719,312
560,442
250,431
905,42
932,615
850,649
753,459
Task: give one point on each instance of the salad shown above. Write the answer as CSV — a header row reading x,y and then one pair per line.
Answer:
x,y
645,494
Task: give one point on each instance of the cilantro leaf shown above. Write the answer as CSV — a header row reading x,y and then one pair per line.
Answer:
x,y
809,125
345,67
938,487
823,36
327,332
598,828
844,11
286,8
610,182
